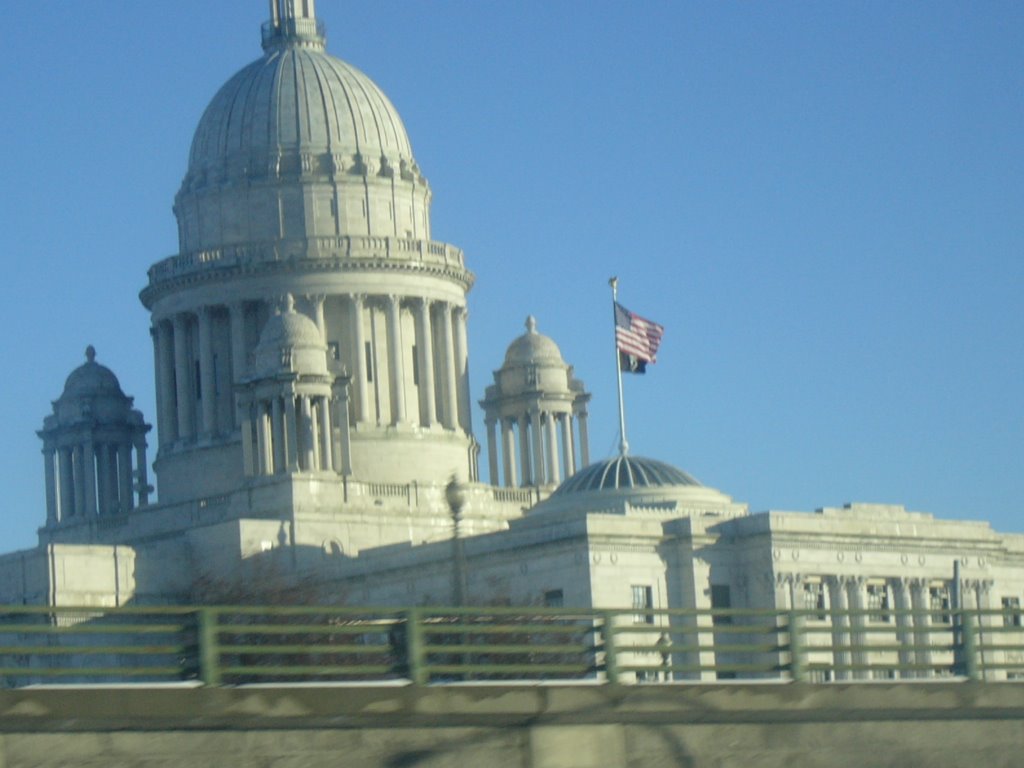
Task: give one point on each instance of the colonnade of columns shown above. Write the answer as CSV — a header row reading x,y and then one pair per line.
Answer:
x,y
291,432
437,394
547,446
196,368
201,355
89,476
912,605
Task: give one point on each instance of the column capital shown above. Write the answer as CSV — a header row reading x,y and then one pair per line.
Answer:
x,y
786,579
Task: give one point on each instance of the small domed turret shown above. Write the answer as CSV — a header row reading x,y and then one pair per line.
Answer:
x,y
290,341
88,446
533,393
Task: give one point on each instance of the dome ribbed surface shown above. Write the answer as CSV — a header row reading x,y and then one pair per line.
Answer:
x,y
297,99
625,472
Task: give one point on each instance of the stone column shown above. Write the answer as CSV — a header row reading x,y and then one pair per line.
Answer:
x,y
426,362
552,452
985,624
326,441
51,487
67,482
167,423
839,601
140,460
568,453
462,370
316,303
248,462
265,463
524,450
451,382
359,360
922,624
343,442
492,451
581,421
124,475
304,424
277,438
538,448
508,452
904,626
207,382
858,622
291,436
396,372
89,477
78,462
239,357
158,380
107,480
183,378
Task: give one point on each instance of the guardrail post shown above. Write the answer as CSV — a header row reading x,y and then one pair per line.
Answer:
x,y
414,654
611,663
969,637
797,652
209,650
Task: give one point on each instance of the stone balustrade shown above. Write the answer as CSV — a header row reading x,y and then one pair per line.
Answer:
x,y
427,253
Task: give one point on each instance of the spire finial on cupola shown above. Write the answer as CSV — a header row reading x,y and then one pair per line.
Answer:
x,y
90,354
531,324
293,23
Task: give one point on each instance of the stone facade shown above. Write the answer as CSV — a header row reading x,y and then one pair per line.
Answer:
x,y
311,359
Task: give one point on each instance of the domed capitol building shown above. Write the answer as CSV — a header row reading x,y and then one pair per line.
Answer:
x,y
314,417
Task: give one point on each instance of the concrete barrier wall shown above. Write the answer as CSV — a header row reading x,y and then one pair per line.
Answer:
x,y
708,726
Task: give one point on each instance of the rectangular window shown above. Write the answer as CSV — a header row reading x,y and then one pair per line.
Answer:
x,y
1011,612
553,598
938,599
720,598
878,601
334,348
813,598
643,602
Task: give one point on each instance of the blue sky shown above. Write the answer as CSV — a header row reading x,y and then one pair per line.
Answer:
x,y
821,202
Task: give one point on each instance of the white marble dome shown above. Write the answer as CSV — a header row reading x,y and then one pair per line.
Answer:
x,y
297,145
296,100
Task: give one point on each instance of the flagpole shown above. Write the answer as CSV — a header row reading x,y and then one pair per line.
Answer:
x,y
623,444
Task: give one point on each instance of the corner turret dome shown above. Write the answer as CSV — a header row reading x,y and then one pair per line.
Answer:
x,y
290,341
533,347
91,379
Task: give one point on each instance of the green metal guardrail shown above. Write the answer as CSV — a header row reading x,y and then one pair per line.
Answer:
x,y
236,645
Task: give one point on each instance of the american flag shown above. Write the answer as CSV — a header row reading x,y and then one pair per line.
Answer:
x,y
637,340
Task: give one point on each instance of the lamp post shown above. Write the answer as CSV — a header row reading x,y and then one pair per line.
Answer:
x,y
455,495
